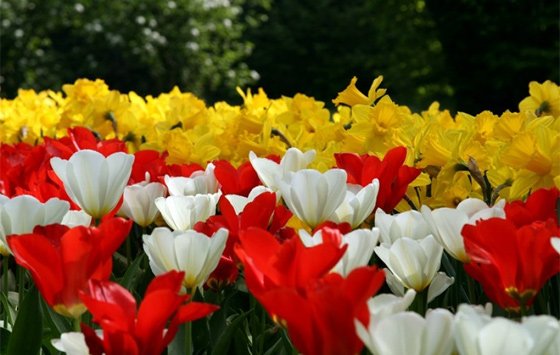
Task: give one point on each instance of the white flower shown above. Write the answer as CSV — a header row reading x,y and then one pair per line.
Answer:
x,y
409,224
408,333
73,343
313,196
361,243
76,218
413,262
182,212
239,202
200,182
446,223
476,333
21,214
139,202
358,204
269,171
93,182
189,251
386,304
555,244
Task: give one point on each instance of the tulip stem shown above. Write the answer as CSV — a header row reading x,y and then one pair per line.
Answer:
x,y
470,285
188,326
420,302
21,279
77,322
128,251
5,266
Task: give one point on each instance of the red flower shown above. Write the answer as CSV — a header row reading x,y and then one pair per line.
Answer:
x,y
62,260
540,206
223,275
293,284
82,138
128,332
393,176
512,263
238,181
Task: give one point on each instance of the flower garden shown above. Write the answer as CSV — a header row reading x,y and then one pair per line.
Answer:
x,y
162,225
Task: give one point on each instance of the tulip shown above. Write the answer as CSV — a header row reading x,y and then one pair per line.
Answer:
x,y
127,331
93,182
72,343
313,197
446,224
385,304
238,181
139,202
409,224
409,333
413,262
361,243
239,202
62,260
76,218
555,244
182,212
270,172
21,214
476,333
189,251
200,182
358,204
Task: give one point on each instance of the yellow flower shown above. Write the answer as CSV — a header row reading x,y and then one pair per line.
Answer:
x,y
351,96
544,99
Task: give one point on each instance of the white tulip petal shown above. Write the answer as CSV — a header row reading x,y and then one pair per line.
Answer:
x,y
399,334
504,337
439,284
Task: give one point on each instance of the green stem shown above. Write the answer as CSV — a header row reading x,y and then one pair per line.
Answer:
x,y
77,324
128,251
97,221
21,280
523,309
470,285
263,327
5,266
420,303
188,327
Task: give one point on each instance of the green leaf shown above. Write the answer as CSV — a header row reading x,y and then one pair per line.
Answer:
x,y
54,320
4,339
7,305
223,343
131,275
240,343
275,349
28,331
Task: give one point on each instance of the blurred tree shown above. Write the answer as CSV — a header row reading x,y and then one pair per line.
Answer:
x,y
317,46
134,45
494,48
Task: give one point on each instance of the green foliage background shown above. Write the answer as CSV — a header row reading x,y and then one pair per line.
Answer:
x,y
469,55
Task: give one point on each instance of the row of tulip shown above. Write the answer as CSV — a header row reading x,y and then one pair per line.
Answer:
x,y
269,255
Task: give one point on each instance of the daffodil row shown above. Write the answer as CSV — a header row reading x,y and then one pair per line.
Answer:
x,y
485,155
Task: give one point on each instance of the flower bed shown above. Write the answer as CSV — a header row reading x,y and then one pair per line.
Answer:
x,y
153,225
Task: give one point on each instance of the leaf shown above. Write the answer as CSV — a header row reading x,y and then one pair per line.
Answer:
x,y
8,305
131,275
275,349
28,331
54,320
222,345
5,338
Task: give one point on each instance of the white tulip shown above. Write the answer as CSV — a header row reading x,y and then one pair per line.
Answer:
x,y
409,224
76,218
21,214
409,333
555,244
361,243
446,223
269,171
438,285
313,196
72,343
182,212
93,182
194,253
200,182
476,333
139,202
386,304
358,204
239,202
413,262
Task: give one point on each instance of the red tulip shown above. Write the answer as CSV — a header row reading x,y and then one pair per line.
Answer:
x,y
512,263
540,206
393,176
127,331
294,285
62,260
238,181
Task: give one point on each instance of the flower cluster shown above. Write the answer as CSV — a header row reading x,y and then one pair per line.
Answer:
x,y
297,230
